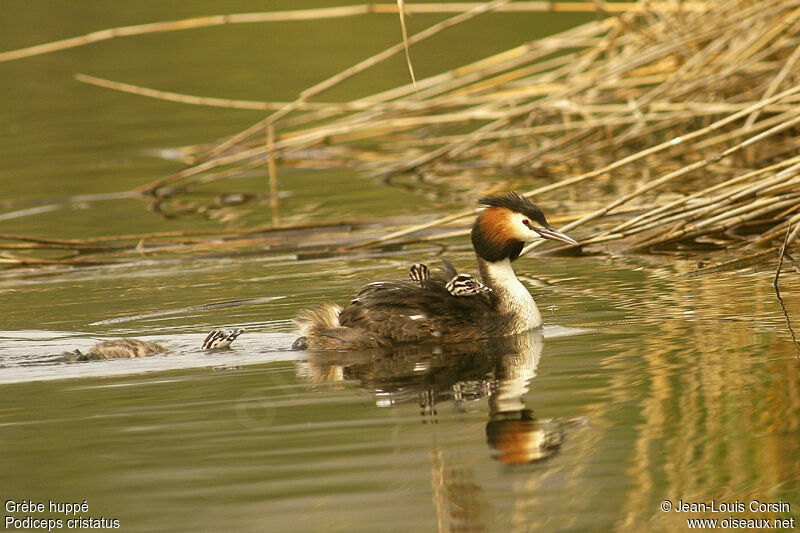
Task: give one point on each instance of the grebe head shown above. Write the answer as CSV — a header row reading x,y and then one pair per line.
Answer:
x,y
508,222
466,285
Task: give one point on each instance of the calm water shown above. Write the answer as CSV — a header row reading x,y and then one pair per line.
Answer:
x,y
646,384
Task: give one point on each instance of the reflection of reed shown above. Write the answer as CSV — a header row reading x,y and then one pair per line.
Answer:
x,y
460,502
719,428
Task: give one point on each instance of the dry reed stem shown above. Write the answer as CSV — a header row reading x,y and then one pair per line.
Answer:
x,y
319,14
95,242
273,176
401,10
177,97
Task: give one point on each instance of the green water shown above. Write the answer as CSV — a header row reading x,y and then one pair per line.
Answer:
x,y
647,385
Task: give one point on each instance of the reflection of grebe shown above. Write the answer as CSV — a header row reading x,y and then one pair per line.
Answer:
x,y
524,440
387,313
501,369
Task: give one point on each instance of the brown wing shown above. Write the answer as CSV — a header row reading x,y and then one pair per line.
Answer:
x,y
404,311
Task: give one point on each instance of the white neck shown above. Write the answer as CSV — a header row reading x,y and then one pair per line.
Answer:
x,y
510,295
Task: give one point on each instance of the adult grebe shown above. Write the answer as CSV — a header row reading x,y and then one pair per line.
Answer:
x,y
443,306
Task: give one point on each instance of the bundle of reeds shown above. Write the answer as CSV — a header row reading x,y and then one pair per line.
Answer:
x,y
686,114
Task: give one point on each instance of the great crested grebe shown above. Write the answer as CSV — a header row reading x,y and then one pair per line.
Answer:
x,y
444,306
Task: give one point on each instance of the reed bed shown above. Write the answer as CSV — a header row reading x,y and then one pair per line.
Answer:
x,y
672,125
686,118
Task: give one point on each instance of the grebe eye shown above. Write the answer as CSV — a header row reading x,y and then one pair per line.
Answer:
x,y
527,223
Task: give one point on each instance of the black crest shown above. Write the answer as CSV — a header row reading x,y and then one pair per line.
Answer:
x,y
517,203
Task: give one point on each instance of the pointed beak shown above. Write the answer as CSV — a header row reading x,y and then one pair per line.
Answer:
x,y
554,235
